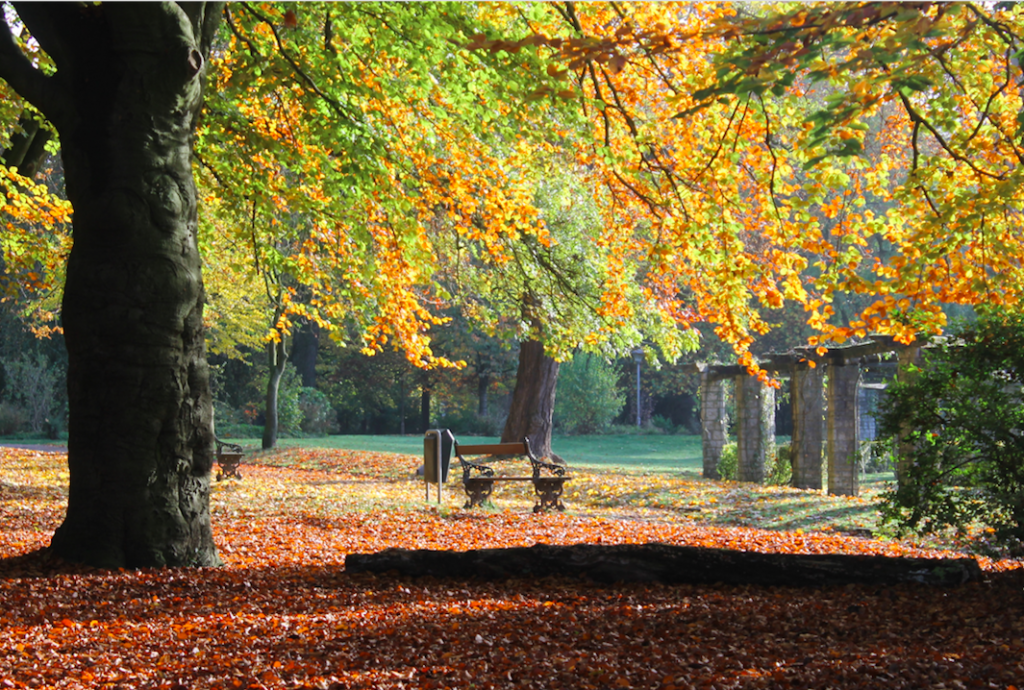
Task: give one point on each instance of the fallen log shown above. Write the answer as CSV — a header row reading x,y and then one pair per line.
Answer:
x,y
668,564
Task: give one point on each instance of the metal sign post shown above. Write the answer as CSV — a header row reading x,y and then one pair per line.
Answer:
x,y
437,455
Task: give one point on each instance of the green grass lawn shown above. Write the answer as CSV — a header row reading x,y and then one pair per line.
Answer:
x,y
646,453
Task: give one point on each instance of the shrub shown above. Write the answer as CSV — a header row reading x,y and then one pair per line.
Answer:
x,y
32,382
779,469
663,423
468,423
289,413
876,457
12,418
587,398
728,464
318,417
960,425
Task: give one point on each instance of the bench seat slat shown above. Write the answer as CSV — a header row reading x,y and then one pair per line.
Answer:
x,y
492,449
500,478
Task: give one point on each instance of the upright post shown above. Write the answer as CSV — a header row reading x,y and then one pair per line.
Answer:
x,y
807,394
755,427
713,422
437,453
843,445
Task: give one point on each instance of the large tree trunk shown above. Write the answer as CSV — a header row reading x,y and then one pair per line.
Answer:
x,y
533,400
124,100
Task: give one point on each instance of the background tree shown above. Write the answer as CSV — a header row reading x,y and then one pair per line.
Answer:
x,y
960,419
588,395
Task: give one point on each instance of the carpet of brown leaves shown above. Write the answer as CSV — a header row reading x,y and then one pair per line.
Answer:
x,y
283,613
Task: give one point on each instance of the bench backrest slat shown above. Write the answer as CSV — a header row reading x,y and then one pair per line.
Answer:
x,y
491,449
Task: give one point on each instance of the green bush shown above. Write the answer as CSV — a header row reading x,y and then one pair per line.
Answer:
x,y
959,421
12,418
778,469
876,457
468,423
588,397
663,423
318,417
289,411
728,464
32,385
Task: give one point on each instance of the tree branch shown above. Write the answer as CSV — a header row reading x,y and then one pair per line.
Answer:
x,y
335,105
30,83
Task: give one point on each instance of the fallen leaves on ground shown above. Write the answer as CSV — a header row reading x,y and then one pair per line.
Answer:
x,y
283,613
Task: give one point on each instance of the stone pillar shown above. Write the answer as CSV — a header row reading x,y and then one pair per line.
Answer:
x,y
755,428
807,393
843,430
714,422
908,357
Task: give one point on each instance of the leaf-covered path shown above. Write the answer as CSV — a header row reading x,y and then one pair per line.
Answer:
x,y
284,613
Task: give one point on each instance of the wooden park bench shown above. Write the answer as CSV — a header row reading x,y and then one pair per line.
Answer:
x,y
229,457
478,479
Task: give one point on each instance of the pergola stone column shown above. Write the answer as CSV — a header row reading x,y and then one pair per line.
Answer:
x,y
808,398
843,433
755,427
713,421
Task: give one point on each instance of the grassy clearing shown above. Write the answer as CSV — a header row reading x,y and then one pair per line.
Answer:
x,y
640,453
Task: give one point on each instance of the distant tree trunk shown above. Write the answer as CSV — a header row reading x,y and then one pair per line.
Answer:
x,y
483,386
425,408
305,345
483,371
28,146
276,360
401,405
124,98
533,400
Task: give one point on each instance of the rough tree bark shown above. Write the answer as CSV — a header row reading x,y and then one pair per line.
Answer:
x,y
533,399
124,100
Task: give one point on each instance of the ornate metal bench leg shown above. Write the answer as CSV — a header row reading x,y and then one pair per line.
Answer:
x,y
228,465
478,489
549,493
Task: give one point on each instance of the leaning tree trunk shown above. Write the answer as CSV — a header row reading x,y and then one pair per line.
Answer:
x,y
124,99
533,399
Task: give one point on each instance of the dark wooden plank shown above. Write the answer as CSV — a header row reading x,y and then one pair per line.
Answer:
x,y
492,449
499,478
